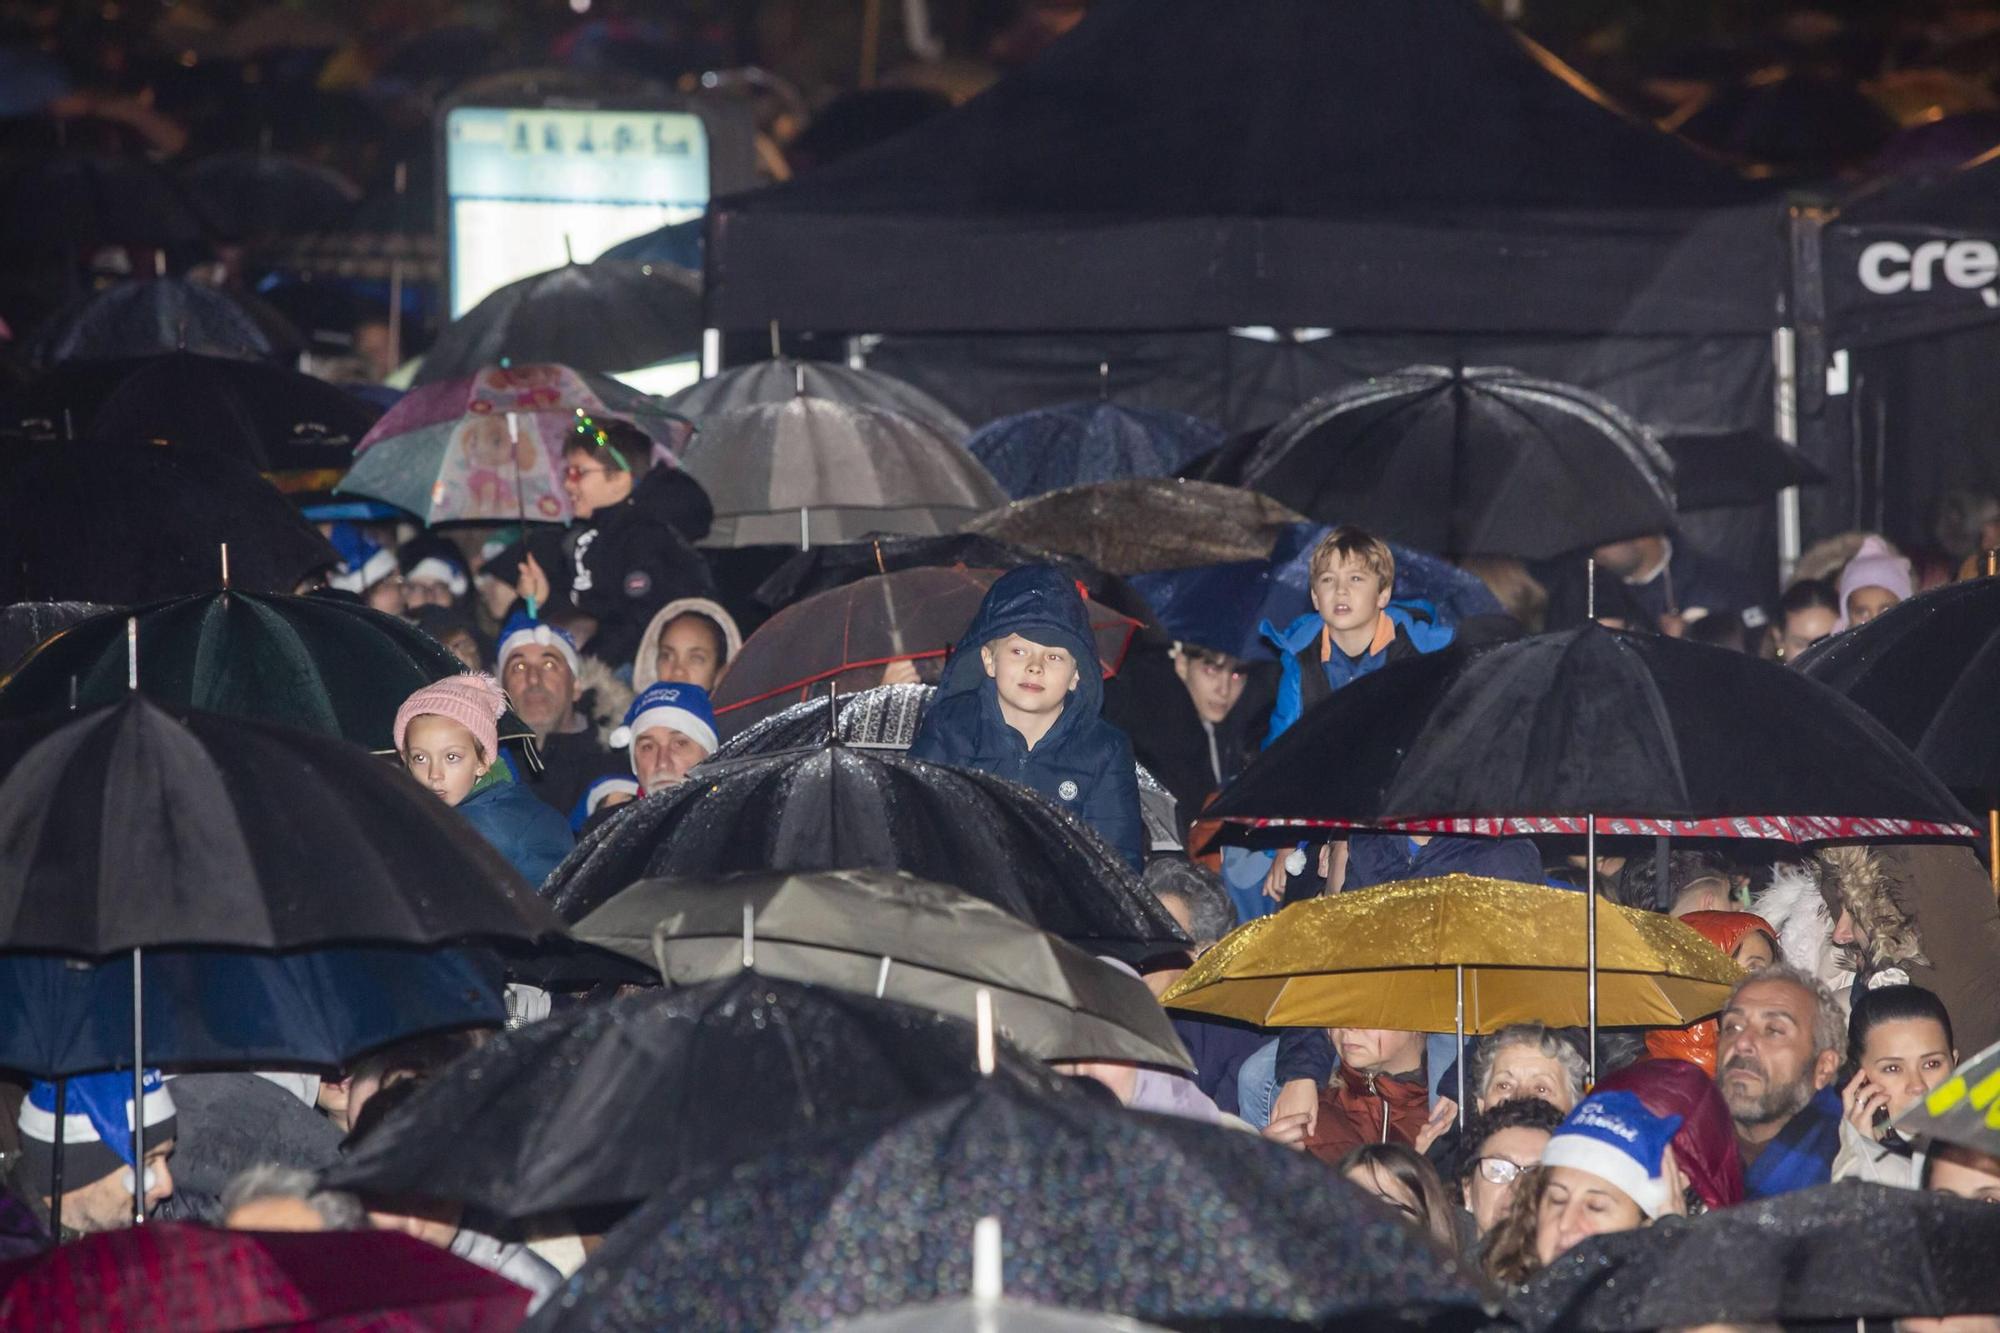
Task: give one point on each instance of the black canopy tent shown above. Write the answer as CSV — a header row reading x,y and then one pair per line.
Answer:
x,y
1369,165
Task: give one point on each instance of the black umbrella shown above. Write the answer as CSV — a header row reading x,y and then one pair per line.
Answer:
x,y
270,194
1836,1254
1477,460
838,808
130,523
1146,523
1654,736
1722,469
1103,1210
610,1104
148,316
24,626
318,663
82,200
298,430
606,316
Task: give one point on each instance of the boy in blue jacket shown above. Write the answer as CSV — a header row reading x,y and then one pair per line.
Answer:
x,y
1021,697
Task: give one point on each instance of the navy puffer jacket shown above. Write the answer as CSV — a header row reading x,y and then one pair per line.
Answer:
x,y
1082,763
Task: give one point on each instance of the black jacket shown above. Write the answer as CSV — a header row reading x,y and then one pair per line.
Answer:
x,y
632,560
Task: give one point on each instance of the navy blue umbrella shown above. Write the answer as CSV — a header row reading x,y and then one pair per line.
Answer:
x,y
1222,606
1076,444
316,1007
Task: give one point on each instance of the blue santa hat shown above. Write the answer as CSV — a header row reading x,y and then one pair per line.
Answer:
x,y
363,564
594,796
96,1126
521,631
1612,1135
685,708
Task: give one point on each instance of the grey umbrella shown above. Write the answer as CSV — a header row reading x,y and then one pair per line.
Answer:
x,y
809,469
780,381
895,937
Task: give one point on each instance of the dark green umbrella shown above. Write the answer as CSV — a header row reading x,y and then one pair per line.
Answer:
x,y
316,663
892,936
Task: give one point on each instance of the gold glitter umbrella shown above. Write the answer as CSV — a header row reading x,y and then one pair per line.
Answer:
x,y
1456,954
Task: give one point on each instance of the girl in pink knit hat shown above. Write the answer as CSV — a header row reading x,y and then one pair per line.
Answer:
x,y
448,737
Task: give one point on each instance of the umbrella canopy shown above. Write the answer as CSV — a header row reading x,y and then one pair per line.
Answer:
x,y
1479,460
24,626
894,937
1127,527
781,380
176,1277
318,663
131,523
613,1103
148,316
605,316
976,1316
1650,734
844,637
1927,669
1224,606
1393,956
1835,1254
1077,444
490,446
1961,1109
218,1007
269,194
84,200
835,808
1725,469
1146,1216
810,469
205,812
299,431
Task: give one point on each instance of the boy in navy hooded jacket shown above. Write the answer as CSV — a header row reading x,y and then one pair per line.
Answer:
x,y
1021,699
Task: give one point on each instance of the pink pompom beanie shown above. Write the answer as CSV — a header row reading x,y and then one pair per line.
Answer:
x,y
475,702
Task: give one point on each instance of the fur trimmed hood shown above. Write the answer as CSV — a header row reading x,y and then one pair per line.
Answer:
x,y
1803,902
602,698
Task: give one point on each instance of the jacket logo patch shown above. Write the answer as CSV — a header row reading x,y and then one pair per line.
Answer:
x,y
638,583
1067,790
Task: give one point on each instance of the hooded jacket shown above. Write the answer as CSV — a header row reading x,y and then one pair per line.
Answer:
x,y
1357,1108
1705,1144
1696,1043
646,661
1415,630
632,558
1083,763
1805,901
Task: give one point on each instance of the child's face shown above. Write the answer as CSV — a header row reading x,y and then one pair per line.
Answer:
x,y
443,756
1215,686
1348,595
1032,678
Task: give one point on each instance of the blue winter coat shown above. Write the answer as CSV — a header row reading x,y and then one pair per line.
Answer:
x,y
1416,629
1082,763
521,827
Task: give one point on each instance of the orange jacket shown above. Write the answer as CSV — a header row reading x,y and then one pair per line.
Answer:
x,y
1696,1044
1357,1108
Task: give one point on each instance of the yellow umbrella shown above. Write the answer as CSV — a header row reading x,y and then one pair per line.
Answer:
x,y
1456,954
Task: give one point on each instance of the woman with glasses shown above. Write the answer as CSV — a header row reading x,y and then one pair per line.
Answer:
x,y
1502,1142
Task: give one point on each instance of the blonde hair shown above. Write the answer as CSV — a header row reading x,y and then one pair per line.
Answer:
x,y
1345,543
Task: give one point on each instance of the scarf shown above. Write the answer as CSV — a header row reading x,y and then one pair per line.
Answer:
x,y
1802,1154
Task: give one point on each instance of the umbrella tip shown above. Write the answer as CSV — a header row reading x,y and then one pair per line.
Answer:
x,y
225,566
776,353
749,937
987,1286
982,1017
132,653
1104,381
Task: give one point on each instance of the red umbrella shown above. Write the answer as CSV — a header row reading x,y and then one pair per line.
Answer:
x,y
176,1277
846,635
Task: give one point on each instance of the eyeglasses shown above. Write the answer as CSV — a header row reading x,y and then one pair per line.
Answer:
x,y
572,472
1499,1170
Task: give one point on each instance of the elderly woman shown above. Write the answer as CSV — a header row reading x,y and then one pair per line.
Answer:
x,y
1526,1060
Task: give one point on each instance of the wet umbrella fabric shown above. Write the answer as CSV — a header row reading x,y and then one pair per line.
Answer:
x,y
1652,735
1483,460
24,626
1723,469
772,382
84,200
843,638
894,937
836,808
1224,606
150,316
611,1104
1835,1254
177,1277
318,663
1002,1316
217,1007
605,316
270,194
1104,1210
124,524
447,452
1127,527
205,812
1962,1109
809,470
1928,669
1077,444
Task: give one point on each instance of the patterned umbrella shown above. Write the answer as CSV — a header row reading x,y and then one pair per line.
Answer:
x,y
489,448
1107,1211
1076,444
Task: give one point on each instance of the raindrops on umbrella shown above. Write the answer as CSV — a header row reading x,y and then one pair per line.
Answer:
x,y
1077,444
